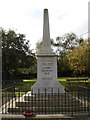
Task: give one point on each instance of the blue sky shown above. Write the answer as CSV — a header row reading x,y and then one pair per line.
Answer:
x,y
26,16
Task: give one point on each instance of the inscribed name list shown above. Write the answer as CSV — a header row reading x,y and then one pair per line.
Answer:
x,y
47,69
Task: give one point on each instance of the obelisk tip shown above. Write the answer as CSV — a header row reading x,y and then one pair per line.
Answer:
x,y
45,9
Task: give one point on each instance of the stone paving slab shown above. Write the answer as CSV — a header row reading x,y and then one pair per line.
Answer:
x,y
53,116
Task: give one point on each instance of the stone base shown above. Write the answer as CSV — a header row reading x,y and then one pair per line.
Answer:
x,y
53,87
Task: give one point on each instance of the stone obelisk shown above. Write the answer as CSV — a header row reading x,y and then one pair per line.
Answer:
x,y
47,64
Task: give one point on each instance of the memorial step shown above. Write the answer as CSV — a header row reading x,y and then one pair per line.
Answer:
x,y
29,97
47,103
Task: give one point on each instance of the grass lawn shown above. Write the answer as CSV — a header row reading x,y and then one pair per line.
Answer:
x,y
64,82
27,83
20,89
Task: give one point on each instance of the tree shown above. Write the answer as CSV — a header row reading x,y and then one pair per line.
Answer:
x,y
66,42
17,57
63,45
78,58
63,66
38,46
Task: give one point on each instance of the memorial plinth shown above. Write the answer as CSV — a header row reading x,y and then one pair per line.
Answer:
x,y
47,64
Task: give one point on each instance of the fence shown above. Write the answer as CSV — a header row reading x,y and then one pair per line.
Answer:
x,y
70,103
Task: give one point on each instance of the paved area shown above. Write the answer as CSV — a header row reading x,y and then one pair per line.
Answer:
x,y
53,116
11,103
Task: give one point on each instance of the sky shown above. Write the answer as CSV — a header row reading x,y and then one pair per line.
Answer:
x,y
26,17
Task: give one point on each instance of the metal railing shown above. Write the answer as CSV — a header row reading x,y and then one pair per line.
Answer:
x,y
70,103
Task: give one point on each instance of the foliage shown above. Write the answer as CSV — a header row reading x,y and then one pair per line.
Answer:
x,y
38,46
16,55
73,57
78,58
63,46
66,42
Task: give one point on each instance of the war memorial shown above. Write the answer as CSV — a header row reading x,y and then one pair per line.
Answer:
x,y
47,63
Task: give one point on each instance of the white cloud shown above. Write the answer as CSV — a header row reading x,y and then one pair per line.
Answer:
x,y
27,17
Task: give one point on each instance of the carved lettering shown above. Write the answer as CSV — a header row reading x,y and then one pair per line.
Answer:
x,y
46,69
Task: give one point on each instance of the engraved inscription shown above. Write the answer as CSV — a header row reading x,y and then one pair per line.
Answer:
x,y
46,69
